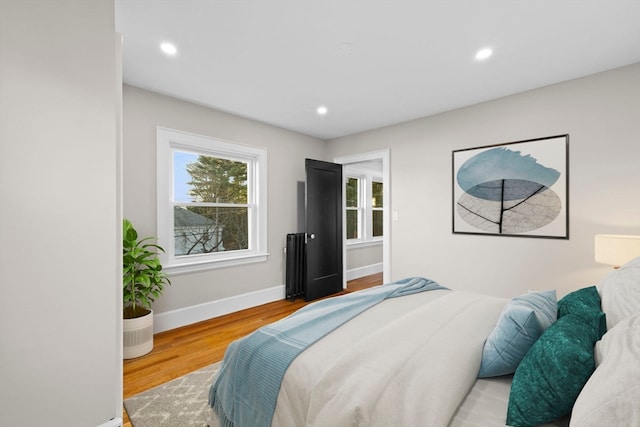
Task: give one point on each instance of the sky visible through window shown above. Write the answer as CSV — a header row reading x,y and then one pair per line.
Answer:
x,y
181,177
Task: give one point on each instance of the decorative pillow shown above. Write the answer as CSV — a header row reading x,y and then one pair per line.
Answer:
x,y
619,341
579,301
583,302
551,375
611,395
520,324
620,292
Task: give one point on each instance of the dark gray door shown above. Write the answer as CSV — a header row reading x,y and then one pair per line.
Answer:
x,y
323,211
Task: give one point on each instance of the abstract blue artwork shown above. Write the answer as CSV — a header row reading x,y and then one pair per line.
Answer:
x,y
514,189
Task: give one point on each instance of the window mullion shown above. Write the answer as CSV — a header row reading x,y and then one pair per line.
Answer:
x,y
214,205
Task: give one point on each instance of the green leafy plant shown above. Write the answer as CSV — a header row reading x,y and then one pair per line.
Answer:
x,y
142,277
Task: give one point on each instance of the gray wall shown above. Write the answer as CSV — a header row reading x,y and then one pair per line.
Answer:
x,y
60,252
599,112
359,257
286,151
602,115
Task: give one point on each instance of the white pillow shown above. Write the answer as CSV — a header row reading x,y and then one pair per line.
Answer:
x,y
611,396
620,292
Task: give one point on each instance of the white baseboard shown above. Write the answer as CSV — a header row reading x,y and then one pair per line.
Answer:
x,y
208,310
114,422
197,313
367,270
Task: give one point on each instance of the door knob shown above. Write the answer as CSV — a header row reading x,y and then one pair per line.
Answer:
x,y
312,236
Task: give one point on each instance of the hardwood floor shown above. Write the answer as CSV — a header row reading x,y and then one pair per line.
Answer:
x,y
180,351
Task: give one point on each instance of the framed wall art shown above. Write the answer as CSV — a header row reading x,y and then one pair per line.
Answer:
x,y
513,189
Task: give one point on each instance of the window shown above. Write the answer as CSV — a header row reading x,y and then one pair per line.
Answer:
x,y
376,208
353,208
211,201
364,208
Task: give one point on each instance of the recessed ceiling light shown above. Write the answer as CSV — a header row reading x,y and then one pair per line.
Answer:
x,y
169,49
483,54
346,48
322,110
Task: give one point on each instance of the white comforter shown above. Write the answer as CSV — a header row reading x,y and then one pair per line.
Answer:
x,y
406,362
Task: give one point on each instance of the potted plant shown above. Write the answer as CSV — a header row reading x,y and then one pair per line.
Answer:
x,y
142,282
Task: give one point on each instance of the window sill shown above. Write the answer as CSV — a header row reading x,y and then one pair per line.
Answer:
x,y
363,243
193,267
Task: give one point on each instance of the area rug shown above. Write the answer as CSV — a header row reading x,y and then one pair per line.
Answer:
x,y
178,403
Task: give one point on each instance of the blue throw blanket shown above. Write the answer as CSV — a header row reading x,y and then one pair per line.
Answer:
x,y
247,387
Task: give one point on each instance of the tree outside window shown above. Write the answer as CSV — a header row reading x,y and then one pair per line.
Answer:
x,y
216,217
376,208
212,201
353,208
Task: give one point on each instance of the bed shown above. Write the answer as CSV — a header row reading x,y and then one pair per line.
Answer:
x,y
415,360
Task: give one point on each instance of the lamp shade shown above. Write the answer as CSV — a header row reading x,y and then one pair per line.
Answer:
x,y
616,249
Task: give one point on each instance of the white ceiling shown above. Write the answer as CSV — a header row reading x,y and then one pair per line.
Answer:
x,y
371,62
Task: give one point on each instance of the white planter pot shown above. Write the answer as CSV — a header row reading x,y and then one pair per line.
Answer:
x,y
137,336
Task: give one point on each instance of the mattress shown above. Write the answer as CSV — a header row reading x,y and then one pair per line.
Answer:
x,y
484,406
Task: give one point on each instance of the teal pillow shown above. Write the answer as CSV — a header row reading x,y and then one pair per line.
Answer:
x,y
520,324
551,375
579,301
584,302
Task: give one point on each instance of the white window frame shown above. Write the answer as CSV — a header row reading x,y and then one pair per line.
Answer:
x,y
365,209
373,209
169,141
359,208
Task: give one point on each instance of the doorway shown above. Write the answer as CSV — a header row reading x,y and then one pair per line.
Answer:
x,y
376,160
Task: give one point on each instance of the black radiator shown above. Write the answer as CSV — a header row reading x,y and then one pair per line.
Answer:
x,y
296,264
